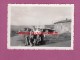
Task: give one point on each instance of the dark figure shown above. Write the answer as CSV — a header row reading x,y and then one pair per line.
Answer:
x,y
42,38
31,39
36,37
26,36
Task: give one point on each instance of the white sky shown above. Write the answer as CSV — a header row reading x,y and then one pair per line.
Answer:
x,y
38,15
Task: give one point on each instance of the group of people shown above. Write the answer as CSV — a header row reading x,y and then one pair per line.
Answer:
x,y
34,37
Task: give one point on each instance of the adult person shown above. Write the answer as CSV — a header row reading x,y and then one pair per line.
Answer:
x,y
31,37
26,36
36,36
42,35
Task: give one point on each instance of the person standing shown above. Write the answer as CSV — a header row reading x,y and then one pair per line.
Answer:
x,y
31,37
26,36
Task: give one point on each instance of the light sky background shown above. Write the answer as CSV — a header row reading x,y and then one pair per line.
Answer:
x,y
38,15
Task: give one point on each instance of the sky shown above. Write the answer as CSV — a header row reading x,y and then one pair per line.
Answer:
x,y
39,15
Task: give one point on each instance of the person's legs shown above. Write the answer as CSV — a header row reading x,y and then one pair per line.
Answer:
x,y
31,41
26,42
34,38
28,39
42,39
38,40
34,42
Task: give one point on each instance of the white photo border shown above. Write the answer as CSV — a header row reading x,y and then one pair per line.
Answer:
x,y
39,48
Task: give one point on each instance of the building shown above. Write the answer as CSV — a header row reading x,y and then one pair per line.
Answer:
x,y
51,26
63,26
40,26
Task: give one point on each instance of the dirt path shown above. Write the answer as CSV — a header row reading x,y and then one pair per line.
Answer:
x,y
19,41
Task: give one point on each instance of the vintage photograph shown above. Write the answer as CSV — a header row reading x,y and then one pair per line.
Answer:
x,y
40,26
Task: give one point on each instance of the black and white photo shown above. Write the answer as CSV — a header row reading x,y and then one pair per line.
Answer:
x,y
40,26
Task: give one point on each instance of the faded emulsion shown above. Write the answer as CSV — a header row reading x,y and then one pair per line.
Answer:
x,y
40,25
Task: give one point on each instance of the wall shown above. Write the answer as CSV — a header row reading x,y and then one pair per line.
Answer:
x,y
63,27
